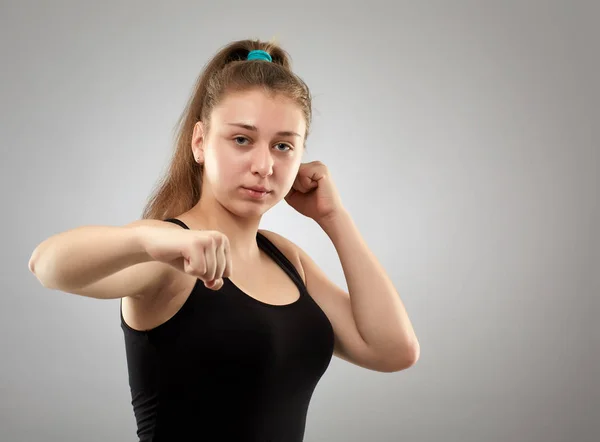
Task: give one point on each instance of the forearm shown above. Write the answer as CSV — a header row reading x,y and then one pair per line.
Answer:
x,y
86,254
378,311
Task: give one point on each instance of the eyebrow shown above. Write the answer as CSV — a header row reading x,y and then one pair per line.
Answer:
x,y
255,129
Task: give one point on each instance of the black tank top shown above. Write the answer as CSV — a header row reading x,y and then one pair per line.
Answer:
x,y
228,367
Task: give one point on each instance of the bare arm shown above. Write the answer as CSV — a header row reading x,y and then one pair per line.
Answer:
x,y
99,261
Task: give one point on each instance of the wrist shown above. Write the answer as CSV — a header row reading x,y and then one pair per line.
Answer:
x,y
333,220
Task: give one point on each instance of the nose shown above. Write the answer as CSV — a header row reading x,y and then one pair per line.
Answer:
x,y
262,161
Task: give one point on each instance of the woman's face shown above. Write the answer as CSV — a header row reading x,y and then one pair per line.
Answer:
x,y
256,140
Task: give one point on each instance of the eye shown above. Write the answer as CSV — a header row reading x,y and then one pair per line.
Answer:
x,y
240,138
284,145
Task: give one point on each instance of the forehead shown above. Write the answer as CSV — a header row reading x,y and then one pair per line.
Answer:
x,y
269,112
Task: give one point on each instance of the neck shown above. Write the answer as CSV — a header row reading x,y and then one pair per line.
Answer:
x,y
209,214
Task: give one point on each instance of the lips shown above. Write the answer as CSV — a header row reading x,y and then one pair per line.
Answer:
x,y
256,192
258,189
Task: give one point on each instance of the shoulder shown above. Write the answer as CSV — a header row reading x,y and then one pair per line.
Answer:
x,y
282,243
150,222
291,251
153,223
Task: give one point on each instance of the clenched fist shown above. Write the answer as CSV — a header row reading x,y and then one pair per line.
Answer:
x,y
201,253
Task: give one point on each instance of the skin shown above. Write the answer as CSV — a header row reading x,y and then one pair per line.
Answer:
x,y
371,326
233,157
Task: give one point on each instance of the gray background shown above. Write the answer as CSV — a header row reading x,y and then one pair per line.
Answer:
x,y
461,136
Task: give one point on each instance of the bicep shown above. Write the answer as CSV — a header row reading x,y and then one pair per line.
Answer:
x,y
337,305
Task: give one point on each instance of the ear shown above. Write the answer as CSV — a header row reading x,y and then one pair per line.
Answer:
x,y
198,142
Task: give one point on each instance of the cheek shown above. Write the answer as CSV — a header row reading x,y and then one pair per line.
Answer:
x,y
294,167
289,173
221,167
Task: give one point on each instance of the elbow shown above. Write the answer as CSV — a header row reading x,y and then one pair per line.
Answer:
x,y
413,355
32,260
38,269
403,359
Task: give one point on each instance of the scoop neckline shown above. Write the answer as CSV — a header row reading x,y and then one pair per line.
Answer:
x,y
254,300
301,288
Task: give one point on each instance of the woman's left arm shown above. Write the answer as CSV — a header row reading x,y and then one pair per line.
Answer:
x,y
371,325
380,315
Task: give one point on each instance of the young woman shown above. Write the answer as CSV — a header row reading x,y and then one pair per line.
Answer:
x,y
228,328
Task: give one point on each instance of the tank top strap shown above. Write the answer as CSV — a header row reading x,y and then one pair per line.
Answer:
x,y
270,248
178,222
281,260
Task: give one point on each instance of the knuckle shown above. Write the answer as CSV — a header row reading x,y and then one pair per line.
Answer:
x,y
201,267
197,242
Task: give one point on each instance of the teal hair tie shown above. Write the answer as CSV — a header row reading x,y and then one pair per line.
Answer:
x,y
259,55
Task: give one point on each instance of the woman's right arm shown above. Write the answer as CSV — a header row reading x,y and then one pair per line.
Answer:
x,y
103,262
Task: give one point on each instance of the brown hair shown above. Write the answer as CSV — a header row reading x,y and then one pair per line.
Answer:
x,y
228,71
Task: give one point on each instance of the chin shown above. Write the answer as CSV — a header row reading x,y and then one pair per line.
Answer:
x,y
247,209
